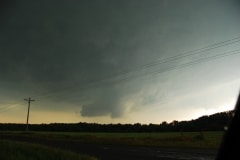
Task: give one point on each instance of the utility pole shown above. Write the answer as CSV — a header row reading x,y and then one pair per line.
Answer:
x,y
29,102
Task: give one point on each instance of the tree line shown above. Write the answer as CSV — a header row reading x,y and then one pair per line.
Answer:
x,y
214,122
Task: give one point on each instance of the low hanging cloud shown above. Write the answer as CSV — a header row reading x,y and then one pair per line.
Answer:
x,y
123,98
102,103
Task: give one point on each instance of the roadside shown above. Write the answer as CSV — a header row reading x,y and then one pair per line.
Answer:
x,y
119,152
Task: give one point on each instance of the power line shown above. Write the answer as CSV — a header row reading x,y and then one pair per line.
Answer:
x,y
9,107
182,65
185,54
112,81
202,60
119,80
160,61
113,76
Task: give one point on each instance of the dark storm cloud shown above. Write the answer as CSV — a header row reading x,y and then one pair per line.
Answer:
x,y
58,42
104,102
65,40
71,50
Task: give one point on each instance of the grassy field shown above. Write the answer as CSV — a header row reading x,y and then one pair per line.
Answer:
x,y
164,139
10,150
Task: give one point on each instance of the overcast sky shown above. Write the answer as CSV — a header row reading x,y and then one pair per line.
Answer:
x,y
112,61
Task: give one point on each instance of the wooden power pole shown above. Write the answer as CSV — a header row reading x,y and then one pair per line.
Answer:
x,y
29,102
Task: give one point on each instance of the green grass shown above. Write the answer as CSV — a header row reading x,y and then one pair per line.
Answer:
x,y
169,139
163,139
10,150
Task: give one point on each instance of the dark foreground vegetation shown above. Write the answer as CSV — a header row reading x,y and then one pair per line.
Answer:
x,y
215,122
117,146
207,140
13,150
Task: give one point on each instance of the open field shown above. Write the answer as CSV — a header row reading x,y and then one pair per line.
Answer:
x,y
128,146
10,150
210,140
